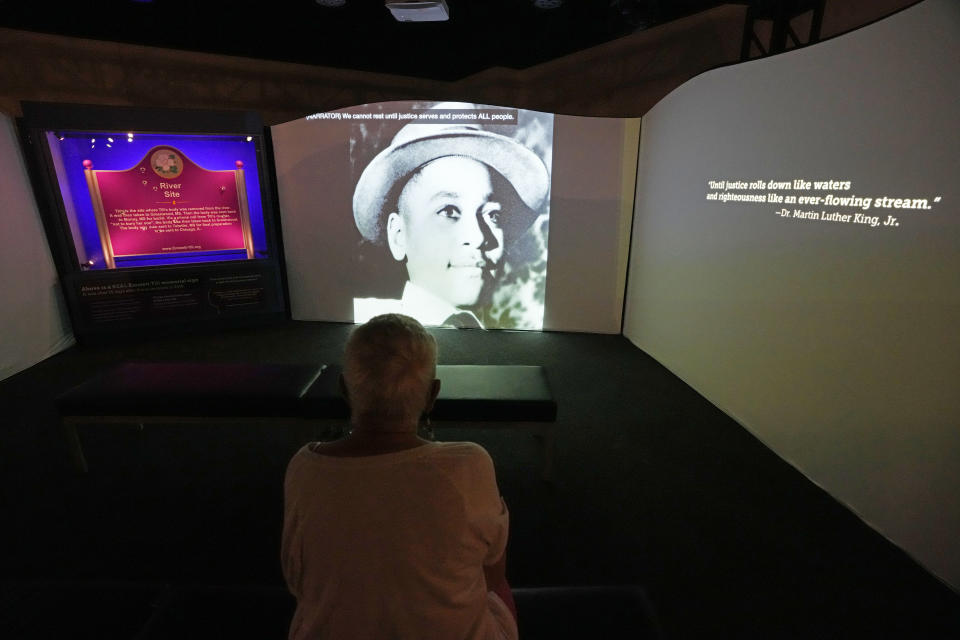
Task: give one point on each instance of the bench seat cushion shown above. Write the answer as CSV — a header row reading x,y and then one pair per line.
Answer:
x,y
468,393
192,389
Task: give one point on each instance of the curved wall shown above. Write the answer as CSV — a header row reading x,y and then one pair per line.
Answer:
x,y
835,342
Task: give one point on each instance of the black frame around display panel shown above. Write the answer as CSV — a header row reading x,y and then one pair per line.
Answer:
x,y
172,298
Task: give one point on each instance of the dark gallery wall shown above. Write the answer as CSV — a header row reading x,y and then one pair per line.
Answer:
x,y
623,78
834,342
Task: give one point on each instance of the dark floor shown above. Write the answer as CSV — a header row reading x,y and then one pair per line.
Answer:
x,y
654,487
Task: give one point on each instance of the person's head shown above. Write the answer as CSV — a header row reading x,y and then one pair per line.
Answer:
x,y
448,225
389,371
447,199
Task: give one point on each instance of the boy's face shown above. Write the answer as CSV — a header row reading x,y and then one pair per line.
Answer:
x,y
450,229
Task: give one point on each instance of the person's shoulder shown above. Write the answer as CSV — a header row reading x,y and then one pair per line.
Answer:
x,y
463,455
303,452
468,467
300,458
461,449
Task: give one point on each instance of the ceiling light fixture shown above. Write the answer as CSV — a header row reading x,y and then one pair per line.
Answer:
x,y
414,11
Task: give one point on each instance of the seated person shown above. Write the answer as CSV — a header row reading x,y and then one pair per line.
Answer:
x,y
385,534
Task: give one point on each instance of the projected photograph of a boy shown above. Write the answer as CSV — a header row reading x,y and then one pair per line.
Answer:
x,y
458,198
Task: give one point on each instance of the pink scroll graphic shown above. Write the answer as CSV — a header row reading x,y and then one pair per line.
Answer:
x,y
166,205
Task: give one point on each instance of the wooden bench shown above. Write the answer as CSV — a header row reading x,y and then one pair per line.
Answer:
x,y
140,393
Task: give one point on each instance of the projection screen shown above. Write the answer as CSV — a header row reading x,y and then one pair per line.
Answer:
x,y
457,214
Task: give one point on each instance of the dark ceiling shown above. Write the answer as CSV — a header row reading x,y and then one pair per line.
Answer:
x,y
360,35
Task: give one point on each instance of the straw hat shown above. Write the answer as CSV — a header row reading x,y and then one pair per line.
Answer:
x,y
416,144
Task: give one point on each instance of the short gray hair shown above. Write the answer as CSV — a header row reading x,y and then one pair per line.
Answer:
x,y
389,365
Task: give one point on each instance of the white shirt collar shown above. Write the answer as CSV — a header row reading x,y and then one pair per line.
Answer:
x,y
427,308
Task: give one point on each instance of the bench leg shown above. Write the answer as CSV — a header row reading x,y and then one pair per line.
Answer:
x,y
545,437
74,447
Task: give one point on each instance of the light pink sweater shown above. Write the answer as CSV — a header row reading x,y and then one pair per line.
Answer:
x,y
393,545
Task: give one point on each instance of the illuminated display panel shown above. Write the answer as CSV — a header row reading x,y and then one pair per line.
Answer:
x,y
157,218
186,212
